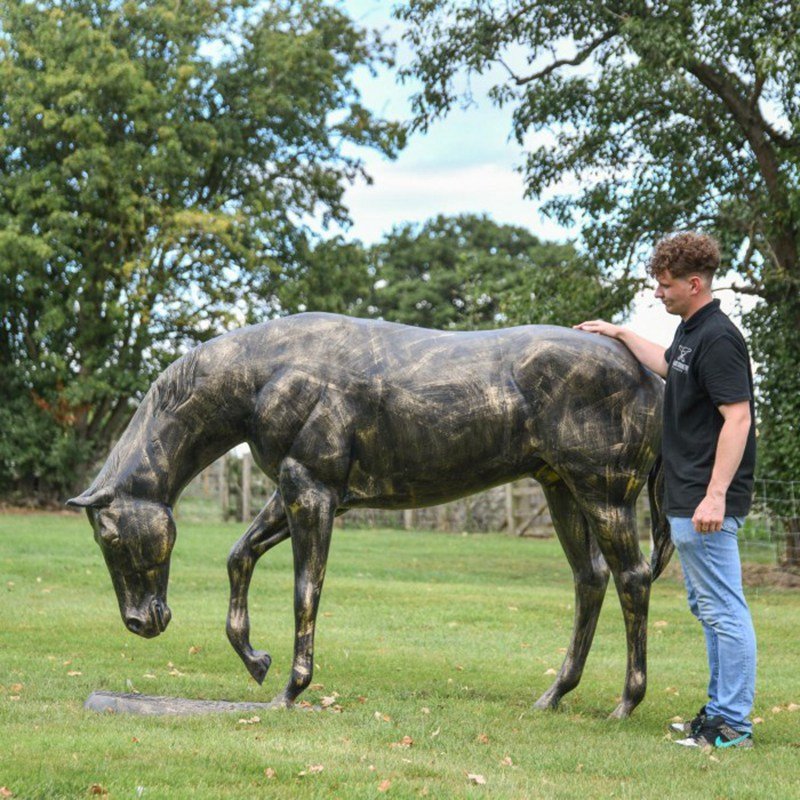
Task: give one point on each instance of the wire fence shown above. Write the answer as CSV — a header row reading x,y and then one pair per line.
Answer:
x,y
773,525
233,489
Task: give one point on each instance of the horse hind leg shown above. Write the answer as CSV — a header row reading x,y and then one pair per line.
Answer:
x,y
591,578
614,527
270,527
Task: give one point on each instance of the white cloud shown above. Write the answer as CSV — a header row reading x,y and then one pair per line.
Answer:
x,y
401,193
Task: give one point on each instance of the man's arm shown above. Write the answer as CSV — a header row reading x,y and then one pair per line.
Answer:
x,y
732,441
648,353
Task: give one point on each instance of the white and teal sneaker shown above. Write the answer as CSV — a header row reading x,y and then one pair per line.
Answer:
x,y
715,732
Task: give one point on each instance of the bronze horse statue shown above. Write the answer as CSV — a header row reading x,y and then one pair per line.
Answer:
x,y
343,413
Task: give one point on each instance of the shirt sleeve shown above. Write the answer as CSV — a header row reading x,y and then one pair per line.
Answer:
x,y
723,371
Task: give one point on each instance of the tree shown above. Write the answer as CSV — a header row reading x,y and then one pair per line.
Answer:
x,y
672,114
330,275
159,164
470,272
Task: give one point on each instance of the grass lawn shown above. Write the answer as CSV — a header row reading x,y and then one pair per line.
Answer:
x,y
433,645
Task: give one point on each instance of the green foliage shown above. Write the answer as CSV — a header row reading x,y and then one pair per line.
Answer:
x,y
672,114
330,275
444,639
158,164
775,340
470,272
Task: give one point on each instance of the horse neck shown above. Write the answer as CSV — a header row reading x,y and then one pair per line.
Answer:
x,y
163,448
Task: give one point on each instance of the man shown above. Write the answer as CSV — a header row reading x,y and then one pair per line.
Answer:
x,y
709,457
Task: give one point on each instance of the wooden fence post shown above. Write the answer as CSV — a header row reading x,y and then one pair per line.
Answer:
x,y
247,485
224,494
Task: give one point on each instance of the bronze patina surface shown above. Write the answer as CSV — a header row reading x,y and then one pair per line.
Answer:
x,y
344,412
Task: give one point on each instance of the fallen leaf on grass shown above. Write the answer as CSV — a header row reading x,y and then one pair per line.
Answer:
x,y
252,721
330,700
316,687
406,741
478,780
550,671
384,786
73,673
436,733
270,773
96,788
15,688
6,792
382,717
482,738
311,770
662,623
194,650
793,707
758,720
176,673
507,762
672,690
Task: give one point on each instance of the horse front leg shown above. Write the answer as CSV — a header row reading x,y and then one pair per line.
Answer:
x,y
267,529
311,507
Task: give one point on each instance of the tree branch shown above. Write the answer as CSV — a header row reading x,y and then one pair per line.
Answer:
x,y
581,56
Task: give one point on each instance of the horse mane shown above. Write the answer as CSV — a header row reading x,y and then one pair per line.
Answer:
x,y
175,385
172,389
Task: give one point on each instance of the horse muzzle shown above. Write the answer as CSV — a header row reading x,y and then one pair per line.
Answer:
x,y
150,623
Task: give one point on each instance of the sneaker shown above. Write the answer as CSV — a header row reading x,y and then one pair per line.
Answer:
x,y
692,727
715,732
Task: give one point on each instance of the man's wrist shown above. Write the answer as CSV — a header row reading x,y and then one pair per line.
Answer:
x,y
716,493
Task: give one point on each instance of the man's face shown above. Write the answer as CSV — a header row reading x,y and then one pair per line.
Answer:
x,y
677,294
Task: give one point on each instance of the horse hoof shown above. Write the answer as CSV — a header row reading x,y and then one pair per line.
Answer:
x,y
280,701
258,666
546,703
622,711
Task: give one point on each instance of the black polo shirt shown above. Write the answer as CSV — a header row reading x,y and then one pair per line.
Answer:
x,y
708,367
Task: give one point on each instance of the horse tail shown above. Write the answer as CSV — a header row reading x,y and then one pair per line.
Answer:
x,y
662,540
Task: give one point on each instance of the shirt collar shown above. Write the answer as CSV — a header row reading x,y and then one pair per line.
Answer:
x,y
700,316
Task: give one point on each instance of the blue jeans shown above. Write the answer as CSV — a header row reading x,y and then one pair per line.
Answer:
x,y
713,576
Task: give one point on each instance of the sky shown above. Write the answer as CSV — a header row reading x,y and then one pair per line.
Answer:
x,y
466,163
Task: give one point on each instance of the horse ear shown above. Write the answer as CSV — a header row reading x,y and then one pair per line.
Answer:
x,y
99,498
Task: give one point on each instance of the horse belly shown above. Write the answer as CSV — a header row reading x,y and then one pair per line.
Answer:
x,y
427,448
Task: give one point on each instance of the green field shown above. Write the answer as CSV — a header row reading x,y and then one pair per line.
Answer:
x,y
433,646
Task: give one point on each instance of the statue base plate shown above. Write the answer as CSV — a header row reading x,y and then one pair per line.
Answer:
x,y
150,705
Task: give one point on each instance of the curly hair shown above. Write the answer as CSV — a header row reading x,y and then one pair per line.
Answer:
x,y
685,254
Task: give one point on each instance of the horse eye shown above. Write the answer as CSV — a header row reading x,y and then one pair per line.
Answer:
x,y
110,538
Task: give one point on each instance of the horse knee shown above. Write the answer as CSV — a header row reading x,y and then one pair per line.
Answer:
x,y
240,560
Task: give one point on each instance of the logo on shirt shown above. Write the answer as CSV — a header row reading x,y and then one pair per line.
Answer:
x,y
679,363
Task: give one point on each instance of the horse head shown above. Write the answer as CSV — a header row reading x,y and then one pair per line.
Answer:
x,y
136,537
